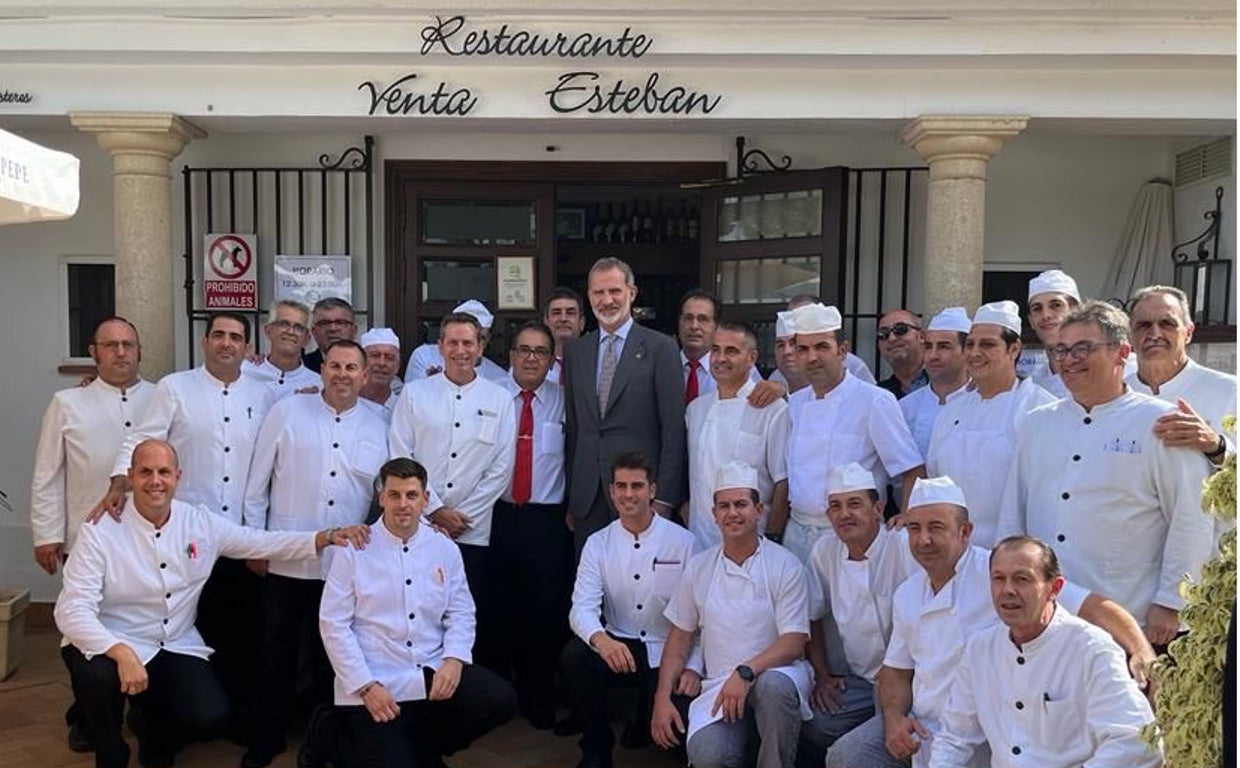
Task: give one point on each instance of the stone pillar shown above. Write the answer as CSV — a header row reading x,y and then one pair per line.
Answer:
x,y
142,145
958,148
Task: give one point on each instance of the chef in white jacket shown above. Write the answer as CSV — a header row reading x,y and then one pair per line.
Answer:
x,y
1161,332
974,440
282,369
943,359
428,359
1052,295
749,599
397,621
128,605
1043,688
723,426
1122,509
627,573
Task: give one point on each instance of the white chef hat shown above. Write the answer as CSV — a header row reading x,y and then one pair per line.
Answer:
x,y
1054,281
951,319
815,318
478,310
736,474
1004,313
783,324
379,336
846,478
936,490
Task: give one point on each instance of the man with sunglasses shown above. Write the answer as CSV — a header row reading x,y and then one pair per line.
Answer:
x,y
899,344
282,370
1120,506
333,321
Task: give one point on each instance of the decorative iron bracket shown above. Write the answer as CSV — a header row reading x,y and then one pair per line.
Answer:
x,y
358,158
1207,241
748,162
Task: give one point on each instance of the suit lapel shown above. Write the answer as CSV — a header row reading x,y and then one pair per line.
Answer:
x,y
634,350
590,360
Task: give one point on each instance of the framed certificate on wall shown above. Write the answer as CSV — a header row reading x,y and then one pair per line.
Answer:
x,y
514,283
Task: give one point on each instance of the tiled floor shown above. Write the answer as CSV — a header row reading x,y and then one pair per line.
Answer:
x,y
32,733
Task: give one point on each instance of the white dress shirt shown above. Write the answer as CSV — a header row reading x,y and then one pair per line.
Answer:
x,y
547,473
82,429
854,422
465,437
393,609
929,631
624,581
312,469
1122,510
426,361
282,383
1211,393
974,443
213,427
1062,700
130,582
720,431
859,594
920,408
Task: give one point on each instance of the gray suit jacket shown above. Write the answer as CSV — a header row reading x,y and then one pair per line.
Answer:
x,y
645,412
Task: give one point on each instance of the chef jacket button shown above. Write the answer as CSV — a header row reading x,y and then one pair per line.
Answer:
x,y
1061,537
167,595
337,419
637,545
453,456
1020,659
332,473
165,621
1076,457
158,534
449,485
419,666
335,445
226,419
331,502
161,643
408,582
956,423
404,549
1065,495
225,393
1015,750
128,424
1088,420
224,508
124,399
227,449
226,478
411,616
408,643
637,577
639,606
457,424
163,565
1020,705
458,397
642,633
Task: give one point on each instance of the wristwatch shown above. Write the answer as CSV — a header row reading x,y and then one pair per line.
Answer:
x,y
745,673
1218,452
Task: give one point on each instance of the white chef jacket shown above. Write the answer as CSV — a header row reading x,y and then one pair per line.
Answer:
x,y
465,437
706,379
929,632
920,408
741,610
282,383
312,469
974,443
624,581
213,427
426,358
1211,393
547,472
1122,510
721,431
859,594
1062,700
130,582
82,428
393,609
854,422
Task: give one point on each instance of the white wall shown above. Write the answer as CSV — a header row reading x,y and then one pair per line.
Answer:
x,y
1052,198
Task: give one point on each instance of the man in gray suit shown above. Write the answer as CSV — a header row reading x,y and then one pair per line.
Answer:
x,y
622,392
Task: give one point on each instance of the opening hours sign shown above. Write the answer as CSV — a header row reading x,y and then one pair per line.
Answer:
x,y
230,271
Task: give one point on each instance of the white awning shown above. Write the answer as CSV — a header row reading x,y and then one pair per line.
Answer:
x,y
36,183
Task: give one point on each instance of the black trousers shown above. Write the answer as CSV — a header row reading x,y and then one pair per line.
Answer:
x,y
290,624
228,619
184,701
589,678
488,627
532,567
425,730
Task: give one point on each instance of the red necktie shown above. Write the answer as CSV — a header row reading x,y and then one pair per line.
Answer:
x,y
691,386
523,480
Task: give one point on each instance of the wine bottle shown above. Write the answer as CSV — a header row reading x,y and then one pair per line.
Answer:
x,y
648,231
609,229
623,232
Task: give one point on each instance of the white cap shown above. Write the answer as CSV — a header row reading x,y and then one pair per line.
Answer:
x,y
377,336
1054,281
1004,313
783,324
951,319
815,318
478,310
736,474
846,478
936,490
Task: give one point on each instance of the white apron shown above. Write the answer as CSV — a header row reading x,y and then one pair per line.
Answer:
x,y
736,630
719,442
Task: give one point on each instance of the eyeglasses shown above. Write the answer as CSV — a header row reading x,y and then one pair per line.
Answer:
x,y
332,323
899,329
285,326
113,346
542,353
1078,351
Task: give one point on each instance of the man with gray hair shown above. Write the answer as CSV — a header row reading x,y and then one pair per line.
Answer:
x,y
1161,332
333,320
282,370
1121,506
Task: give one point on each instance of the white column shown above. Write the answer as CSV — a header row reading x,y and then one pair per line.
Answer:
x,y
142,145
958,149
